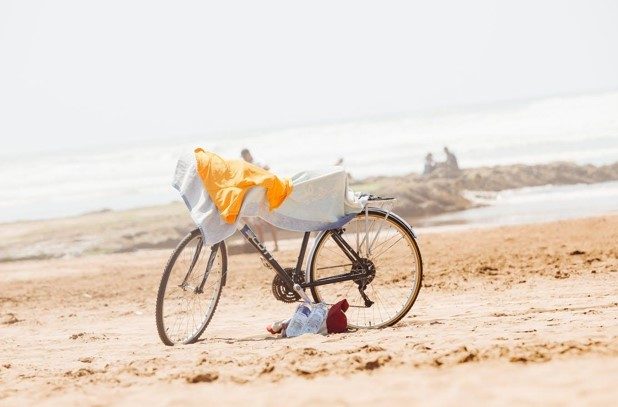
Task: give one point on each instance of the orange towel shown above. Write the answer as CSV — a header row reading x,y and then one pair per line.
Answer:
x,y
227,182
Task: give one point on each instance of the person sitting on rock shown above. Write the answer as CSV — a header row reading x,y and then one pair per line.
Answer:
x,y
451,161
430,164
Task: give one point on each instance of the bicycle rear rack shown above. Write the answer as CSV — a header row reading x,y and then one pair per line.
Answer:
x,y
384,203
380,202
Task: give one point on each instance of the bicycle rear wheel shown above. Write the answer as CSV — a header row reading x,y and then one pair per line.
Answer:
x,y
189,292
387,247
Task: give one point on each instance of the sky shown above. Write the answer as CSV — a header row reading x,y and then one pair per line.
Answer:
x,y
90,73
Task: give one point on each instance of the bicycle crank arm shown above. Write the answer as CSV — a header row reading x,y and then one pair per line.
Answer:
x,y
302,293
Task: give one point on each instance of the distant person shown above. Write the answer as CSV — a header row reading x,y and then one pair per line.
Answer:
x,y
258,223
246,155
430,164
451,161
339,163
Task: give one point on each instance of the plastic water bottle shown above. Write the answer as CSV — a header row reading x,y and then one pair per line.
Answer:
x,y
298,321
316,318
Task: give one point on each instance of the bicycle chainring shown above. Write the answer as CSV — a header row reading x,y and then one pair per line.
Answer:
x,y
283,293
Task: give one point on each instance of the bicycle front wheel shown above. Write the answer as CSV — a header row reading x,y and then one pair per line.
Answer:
x,y
190,289
388,249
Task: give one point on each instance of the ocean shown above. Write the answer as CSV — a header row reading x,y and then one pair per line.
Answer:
x,y
581,128
530,205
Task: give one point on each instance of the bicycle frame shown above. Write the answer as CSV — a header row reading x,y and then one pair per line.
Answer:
x,y
345,247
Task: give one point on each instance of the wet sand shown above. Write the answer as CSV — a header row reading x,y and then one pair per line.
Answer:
x,y
520,314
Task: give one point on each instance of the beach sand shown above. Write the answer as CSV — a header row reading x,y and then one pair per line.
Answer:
x,y
520,314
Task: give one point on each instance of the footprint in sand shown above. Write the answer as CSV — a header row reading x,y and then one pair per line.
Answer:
x,y
203,378
9,319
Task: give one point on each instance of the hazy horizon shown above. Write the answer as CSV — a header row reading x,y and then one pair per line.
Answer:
x,y
197,138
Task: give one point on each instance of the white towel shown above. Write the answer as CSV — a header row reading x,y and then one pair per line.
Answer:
x,y
320,200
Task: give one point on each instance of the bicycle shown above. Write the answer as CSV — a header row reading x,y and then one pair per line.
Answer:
x,y
373,261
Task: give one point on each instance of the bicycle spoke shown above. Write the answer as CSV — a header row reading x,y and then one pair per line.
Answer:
x,y
387,249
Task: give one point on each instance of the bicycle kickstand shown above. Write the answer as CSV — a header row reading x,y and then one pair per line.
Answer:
x,y
361,290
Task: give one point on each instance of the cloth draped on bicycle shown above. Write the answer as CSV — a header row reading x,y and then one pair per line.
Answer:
x,y
310,201
227,182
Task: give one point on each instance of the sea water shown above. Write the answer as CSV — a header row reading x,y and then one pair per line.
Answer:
x,y
530,205
582,129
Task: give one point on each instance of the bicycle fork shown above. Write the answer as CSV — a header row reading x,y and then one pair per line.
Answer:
x,y
211,259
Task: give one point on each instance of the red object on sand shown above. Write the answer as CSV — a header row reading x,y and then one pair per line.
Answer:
x,y
336,321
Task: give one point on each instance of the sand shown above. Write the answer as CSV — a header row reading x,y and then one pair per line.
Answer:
x,y
525,314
